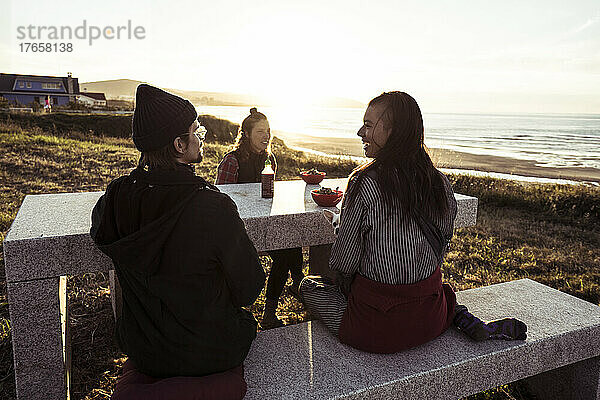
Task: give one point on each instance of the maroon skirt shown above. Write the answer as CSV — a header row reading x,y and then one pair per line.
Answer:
x,y
383,318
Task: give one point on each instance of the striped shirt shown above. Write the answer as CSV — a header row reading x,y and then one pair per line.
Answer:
x,y
385,247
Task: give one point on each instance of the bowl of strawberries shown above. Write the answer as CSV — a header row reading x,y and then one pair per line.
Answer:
x,y
312,176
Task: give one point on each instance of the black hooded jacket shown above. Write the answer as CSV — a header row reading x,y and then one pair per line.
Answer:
x,y
186,267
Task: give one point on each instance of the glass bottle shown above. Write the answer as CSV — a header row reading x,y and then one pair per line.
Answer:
x,y
267,180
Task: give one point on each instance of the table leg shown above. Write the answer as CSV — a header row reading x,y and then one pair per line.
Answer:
x,y
40,338
318,262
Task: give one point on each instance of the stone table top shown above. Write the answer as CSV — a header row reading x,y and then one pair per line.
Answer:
x,y
65,214
50,234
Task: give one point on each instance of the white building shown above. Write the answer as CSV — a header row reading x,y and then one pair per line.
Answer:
x,y
92,99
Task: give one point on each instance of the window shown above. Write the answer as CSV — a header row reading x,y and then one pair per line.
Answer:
x,y
51,86
28,85
21,85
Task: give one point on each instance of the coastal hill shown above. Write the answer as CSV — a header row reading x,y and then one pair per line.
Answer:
x,y
124,89
121,89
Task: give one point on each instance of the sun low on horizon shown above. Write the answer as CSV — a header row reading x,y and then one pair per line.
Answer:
x,y
510,57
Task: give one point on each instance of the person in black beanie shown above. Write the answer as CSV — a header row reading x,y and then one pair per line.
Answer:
x,y
180,251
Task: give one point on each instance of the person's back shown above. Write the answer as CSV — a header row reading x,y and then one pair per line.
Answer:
x,y
183,258
396,220
396,294
384,244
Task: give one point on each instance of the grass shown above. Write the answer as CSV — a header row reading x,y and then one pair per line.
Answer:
x,y
549,233
58,123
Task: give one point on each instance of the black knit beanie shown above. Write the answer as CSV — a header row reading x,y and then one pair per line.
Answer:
x,y
159,117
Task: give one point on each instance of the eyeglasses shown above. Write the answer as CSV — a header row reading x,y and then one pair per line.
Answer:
x,y
200,133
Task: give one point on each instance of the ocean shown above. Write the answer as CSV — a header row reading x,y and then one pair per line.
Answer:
x,y
551,140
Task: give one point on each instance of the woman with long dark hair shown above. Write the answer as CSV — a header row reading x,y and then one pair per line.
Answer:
x,y
396,221
244,165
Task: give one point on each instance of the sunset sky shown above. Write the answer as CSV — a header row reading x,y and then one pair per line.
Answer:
x,y
459,56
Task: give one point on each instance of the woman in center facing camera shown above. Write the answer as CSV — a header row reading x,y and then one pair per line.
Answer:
x,y
396,220
244,165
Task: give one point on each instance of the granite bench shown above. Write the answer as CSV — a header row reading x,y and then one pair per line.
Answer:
x,y
49,239
559,360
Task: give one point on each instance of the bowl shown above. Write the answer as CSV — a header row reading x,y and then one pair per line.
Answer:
x,y
312,179
326,200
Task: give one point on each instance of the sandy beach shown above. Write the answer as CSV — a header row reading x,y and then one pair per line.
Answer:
x,y
444,158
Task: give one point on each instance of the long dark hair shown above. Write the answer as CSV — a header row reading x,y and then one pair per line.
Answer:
x,y
242,142
404,171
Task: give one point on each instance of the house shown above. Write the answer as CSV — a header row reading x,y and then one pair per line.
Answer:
x,y
92,99
27,89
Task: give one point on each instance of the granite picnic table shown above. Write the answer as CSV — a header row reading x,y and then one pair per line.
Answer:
x,y
49,239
